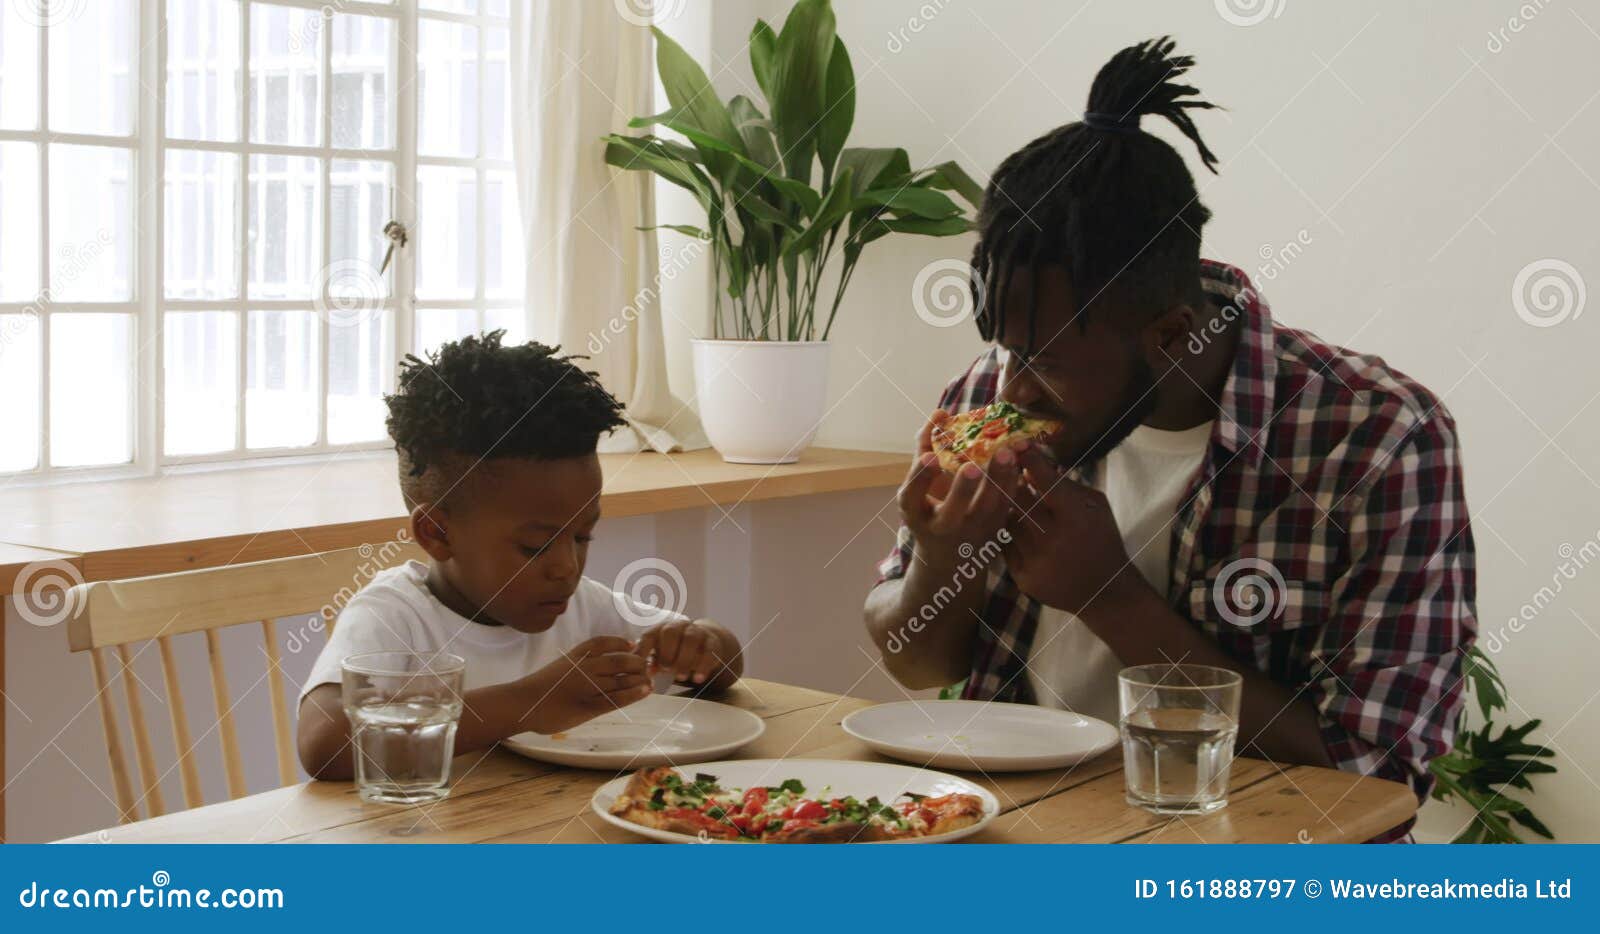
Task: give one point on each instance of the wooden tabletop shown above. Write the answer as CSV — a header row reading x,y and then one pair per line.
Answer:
x,y
187,520
498,797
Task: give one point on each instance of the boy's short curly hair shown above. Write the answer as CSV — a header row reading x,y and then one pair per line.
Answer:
x,y
474,400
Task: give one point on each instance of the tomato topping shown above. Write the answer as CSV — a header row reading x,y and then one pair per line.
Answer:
x,y
755,799
994,429
809,810
929,815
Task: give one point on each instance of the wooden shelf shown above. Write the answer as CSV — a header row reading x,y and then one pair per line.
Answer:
x,y
181,521
13,558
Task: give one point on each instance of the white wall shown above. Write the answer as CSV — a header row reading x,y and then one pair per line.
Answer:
x,y
1429,152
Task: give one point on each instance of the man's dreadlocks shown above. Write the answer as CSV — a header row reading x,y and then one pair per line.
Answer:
x,y
1113,205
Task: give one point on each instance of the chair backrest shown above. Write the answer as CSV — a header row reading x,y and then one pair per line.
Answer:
x,y
116,614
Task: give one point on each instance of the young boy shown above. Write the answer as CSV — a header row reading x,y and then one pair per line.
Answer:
x,y
497,462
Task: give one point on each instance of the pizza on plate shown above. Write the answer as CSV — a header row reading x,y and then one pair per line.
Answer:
x,y
663,799
974,437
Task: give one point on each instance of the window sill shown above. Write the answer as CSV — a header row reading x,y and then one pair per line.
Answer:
x,y
192,519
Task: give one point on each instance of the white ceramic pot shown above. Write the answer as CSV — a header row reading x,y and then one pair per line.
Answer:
x,y
760,401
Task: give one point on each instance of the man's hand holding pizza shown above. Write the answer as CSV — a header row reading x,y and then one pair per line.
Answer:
x,y
1066,550
944,512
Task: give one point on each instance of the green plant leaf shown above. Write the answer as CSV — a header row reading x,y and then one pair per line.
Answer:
x,y
756,131
695,232
838,109
694,101
923,202
945,227
766,212
634,154
799,72
1484,679
873,164
802,194
952,176
763,46
834,209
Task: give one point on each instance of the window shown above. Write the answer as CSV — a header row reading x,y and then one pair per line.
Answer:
x,y
210,181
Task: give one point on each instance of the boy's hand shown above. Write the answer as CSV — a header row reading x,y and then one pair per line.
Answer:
x,y
594,677
692,651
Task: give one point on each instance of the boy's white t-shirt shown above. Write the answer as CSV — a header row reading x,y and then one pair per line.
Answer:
x,y
397,612
1143,478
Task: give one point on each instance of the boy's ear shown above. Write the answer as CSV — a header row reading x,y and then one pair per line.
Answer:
x,y
430,529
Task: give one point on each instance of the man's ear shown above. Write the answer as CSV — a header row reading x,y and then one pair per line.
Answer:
x,y
430,528
1166,339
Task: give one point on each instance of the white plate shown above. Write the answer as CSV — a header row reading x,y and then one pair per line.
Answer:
x,y
980,735
659,730
862,779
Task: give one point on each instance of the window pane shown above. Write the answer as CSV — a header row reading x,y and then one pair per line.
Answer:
x,y
90,389
447,88
19,222
93,67
359,364
435,326
19,387
203,69
496,94
450,6
19,68
513,321
358,199
201,225
280,400
91,215
285,77
502,225
447,232
200,381
363,76
285,226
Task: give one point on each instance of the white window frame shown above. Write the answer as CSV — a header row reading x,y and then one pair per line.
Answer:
x,y
149,144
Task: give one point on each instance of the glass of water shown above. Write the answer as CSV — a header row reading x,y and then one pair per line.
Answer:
x,y
404,709
1179,723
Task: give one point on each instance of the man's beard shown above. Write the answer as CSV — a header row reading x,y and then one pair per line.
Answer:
x,y
1138,397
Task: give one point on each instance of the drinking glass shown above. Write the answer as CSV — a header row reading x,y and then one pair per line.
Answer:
x,y
1178,728
404,709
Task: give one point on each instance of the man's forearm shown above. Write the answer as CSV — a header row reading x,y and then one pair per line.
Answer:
x,y
924,624
1280,724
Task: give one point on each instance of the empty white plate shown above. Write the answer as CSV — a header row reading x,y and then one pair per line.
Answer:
x,y
839,777
992,737
659,730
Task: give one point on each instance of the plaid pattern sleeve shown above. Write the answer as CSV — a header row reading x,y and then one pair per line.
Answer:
x,y
1386,666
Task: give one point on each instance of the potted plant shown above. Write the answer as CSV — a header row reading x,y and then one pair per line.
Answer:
x,y
783,196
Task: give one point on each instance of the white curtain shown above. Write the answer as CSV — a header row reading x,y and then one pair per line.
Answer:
x,y
579,71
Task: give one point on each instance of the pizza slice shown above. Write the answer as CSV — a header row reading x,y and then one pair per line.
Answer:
x,y
975,436
663,799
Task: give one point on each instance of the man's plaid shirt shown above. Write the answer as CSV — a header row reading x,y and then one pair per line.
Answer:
x,y
1338,475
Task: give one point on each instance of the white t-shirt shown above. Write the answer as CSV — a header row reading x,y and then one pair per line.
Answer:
x,y
397,612
1069,668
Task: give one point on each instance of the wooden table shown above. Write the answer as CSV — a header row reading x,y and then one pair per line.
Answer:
x,y
183,520
498,797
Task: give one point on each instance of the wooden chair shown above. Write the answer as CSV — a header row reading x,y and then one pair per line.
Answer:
x,y
117,614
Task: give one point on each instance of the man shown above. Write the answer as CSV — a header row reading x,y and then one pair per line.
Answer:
x,y
1230,492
